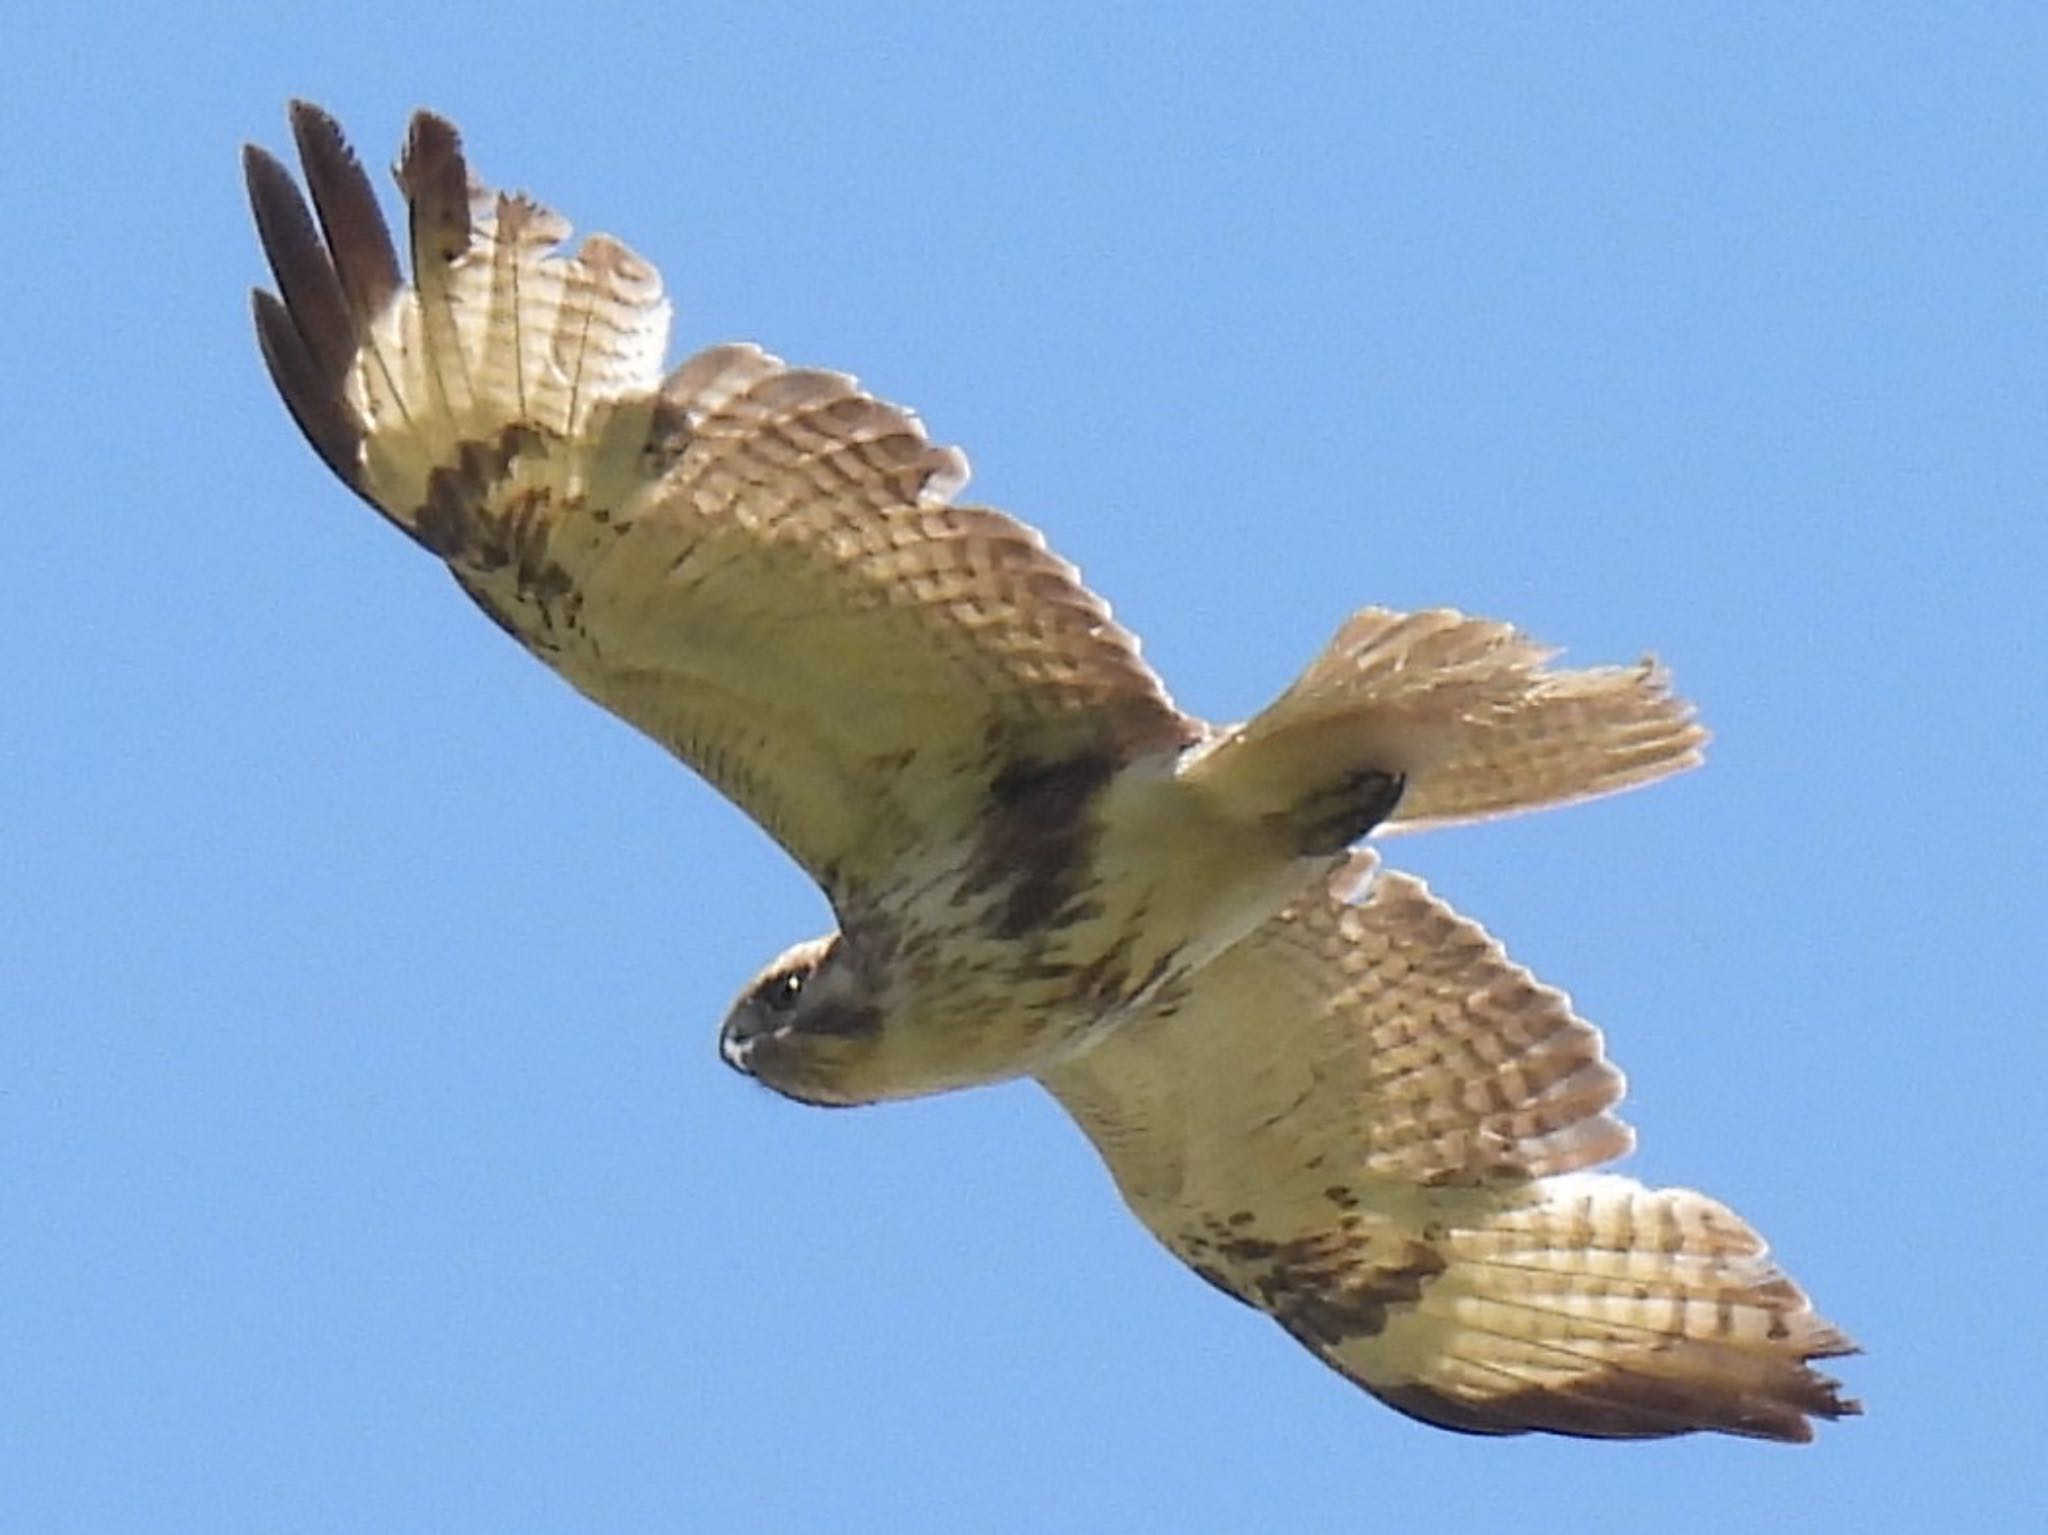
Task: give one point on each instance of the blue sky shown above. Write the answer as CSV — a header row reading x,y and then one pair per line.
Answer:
x,y
367,1162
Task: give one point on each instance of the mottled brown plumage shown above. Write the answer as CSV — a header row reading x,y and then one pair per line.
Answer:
x,y
1041,865
1368,1122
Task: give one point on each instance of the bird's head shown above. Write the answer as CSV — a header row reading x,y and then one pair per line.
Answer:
x,y
807,1026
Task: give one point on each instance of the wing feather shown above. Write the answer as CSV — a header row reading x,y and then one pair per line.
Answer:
x,y
1574,735
796,587
760,566
309,338
365,265
1368,1122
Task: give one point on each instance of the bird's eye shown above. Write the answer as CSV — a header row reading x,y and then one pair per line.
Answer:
x,y
780,994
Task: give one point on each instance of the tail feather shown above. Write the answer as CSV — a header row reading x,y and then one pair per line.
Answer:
x,y
1575,735
1463,714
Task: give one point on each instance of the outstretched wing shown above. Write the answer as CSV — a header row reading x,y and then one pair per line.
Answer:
x,y
1369,1123
761,567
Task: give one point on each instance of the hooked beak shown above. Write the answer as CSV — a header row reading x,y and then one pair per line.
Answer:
x,y
736,1044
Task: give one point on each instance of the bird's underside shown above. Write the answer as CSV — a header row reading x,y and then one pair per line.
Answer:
x,y
1318,1086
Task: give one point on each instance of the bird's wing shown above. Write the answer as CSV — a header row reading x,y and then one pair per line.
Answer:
x,y
760,566
1368,1122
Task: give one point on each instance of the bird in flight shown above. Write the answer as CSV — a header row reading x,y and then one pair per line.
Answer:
x,y
1329,1094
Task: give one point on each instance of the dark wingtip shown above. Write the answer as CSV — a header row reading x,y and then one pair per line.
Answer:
x,y
305,274
254,157
310,331
435,178
430,127
365,261
316,405
309,117
310,393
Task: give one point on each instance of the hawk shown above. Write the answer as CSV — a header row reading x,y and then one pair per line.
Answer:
x,y
1330,1095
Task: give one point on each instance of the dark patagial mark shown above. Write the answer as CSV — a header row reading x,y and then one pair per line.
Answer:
x,y
448,520
1036,840
1324,1286
1326,1293
474,519
455,520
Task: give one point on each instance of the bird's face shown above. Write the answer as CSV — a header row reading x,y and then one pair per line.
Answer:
x,y
806,1027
